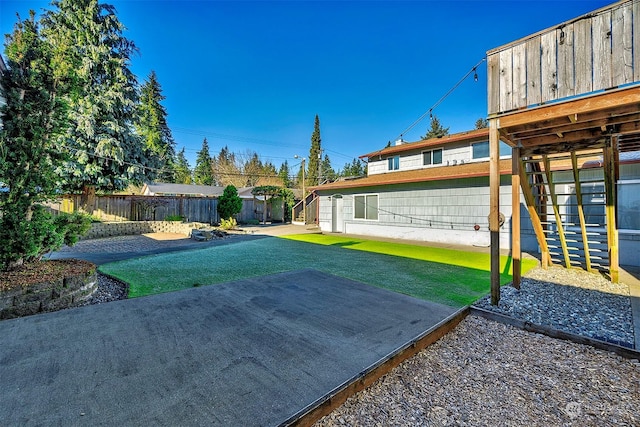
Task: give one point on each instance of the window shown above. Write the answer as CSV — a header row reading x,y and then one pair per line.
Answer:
x,y
366,207
433,157
394,163
480,150
629,205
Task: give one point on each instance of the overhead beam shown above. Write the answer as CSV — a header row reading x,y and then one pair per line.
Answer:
x,y
556,127
626,97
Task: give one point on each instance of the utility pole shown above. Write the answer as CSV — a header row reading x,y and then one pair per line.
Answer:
x,y
320,166
304,201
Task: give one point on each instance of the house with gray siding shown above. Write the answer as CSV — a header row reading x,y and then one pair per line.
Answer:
x,y
437,190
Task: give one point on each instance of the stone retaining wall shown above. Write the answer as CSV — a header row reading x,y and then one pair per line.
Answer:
x,y
47,296
126,228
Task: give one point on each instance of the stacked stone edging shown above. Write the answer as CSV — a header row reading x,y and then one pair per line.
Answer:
x,y
47,296
126,228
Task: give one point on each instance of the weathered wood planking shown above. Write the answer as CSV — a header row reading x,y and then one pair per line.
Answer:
x,y
594,52
622,45
583,56
520,76
601,30
566,68
506,79
549,65
534,89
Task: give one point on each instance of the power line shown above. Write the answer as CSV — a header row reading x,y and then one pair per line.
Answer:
x,y
433,107
237,138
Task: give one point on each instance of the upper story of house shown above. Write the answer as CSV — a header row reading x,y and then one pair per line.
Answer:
x,y
451,150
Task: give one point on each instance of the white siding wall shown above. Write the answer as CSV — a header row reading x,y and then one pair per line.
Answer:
x,y
443,212
452,154
446,211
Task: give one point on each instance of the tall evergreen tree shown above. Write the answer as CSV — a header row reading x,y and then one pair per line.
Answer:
x,y
328,174
91,60
315,153
436,130
203,171
284,174
153,128
181,169
32,116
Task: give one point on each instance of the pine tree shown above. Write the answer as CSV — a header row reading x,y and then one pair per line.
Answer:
x,y
181,169
229,203
328,174
436,130
32,116
203,171
355,168
315,153
91,60
153,128
284,174
482,123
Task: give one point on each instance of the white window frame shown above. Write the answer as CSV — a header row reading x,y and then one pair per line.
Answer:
x,y
503,145
366,205
431,157
393,163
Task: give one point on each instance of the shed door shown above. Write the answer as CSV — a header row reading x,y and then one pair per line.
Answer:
x,y
337,222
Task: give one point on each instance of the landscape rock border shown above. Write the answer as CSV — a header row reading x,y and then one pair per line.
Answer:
x,y
49,294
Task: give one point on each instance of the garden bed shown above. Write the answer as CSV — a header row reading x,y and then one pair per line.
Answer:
x,y
46,286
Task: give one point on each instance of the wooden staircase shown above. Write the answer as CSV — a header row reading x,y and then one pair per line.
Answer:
x,y
568,210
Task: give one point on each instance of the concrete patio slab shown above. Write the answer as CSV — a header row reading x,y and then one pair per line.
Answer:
x,y
251,352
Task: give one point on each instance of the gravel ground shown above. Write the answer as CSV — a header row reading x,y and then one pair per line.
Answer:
x,y
109,289
486,373
574,301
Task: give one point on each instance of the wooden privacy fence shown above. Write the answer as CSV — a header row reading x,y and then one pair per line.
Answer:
x,y
148,208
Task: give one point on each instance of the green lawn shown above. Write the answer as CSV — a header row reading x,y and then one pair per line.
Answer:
x,y
454,278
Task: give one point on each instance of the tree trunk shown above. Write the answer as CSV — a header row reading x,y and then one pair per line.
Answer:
x,y
88,199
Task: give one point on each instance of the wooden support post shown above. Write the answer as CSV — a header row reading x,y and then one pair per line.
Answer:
x,y
494,208
583,223
556,211
545,258
610,209
516,252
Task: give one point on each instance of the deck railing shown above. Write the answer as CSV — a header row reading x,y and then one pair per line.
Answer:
x,y
594,52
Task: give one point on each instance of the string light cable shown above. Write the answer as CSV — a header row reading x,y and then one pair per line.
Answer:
x,y
429,112
427,220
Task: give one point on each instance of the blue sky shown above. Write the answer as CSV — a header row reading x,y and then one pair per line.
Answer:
x,y
253,75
